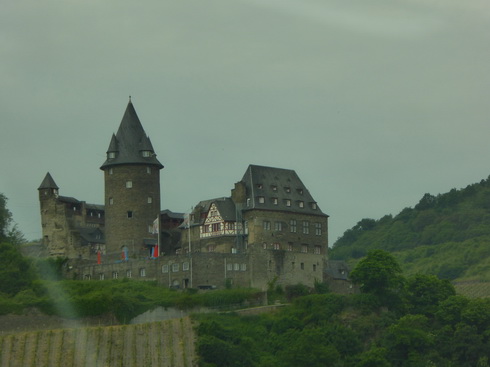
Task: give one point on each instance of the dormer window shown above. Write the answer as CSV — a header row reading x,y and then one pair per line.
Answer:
x,y
314,206
261,200
146,153
260,186
274,188
300,191
287,189
301,204
111,155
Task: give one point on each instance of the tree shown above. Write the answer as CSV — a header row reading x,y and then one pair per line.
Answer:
x,y
16,273
378,273
425,292
8,230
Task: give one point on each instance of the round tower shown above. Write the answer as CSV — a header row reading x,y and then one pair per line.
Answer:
x,y
132,189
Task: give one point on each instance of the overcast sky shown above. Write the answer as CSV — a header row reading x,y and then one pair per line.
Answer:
x,y
373,103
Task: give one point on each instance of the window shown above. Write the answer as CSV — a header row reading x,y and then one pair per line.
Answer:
x,y
246,227
318,250
278,226
142,272
260,186
149,200
111,201
302,266
300,191
146,153
318,229
129,273
314,206
261,200
111,171
267,225
111,155
101,276
306,227
276,246
248,201
274,188
129,184
287,189
130,214
216,227
236,267
304,248
264,246
164,268
229,266
175,267
314,267
87,277
230,226
243,267
185,266
301,204
115,275
292,225
148,170
274,201
150,228
288,202
290,246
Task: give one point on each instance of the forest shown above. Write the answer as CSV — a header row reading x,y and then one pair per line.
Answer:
x,y
447,235
394,321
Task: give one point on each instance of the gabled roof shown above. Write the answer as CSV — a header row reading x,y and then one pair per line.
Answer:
x,y
270,188
48,183
225,206
129,143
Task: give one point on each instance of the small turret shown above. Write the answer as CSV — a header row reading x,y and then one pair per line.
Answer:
x,y
48,188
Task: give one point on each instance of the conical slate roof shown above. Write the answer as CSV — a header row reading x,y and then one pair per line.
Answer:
x,y
130,142
48,183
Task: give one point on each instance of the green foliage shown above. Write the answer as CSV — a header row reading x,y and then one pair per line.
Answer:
x,y
425,292
458,221
378,273
16,273
8,229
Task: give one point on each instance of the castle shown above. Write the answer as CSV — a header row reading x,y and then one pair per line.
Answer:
x,y
270,229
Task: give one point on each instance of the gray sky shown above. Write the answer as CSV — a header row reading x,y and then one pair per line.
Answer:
x,y
373,103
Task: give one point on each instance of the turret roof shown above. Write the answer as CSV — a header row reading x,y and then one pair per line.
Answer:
x,y
48,183
130,142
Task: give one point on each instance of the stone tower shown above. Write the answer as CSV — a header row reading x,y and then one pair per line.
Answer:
x,y
51,217
132,189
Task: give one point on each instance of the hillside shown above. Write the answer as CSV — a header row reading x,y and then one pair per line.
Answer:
x,y
446,234
166,343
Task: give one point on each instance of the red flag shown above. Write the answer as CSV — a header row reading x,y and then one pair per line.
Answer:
x,y
99,259
155,253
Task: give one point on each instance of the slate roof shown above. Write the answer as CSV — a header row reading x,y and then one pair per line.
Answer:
x,y
172,214
48,183
129,142
337,269
277,187
225,206
89,235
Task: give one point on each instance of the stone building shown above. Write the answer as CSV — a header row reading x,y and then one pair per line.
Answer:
x,y
270,230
